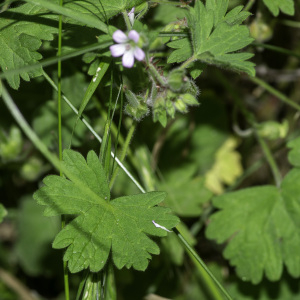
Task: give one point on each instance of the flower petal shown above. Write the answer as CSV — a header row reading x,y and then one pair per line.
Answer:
x,y
119,36
128,59
133,35
117,50
139,54
131,16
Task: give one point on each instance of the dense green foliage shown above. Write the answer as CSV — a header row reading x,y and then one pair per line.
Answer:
x,y
178,177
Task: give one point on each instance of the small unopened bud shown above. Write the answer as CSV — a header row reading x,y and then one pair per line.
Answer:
x,y
170,108
180,106
189,99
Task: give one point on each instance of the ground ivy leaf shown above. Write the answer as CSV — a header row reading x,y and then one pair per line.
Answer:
x,y
261,225
215,36
286,6
22,31
120,226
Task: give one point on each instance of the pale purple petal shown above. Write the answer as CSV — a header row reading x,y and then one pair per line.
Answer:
x,y
132,11
117,50
128,59
133,35
119,36
131,16
139,54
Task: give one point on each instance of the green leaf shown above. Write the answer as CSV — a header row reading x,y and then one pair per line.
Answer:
x,y
184,50
294,154
104,9
3,212
182,203
216,36
35,234
22,31
286,6
261,225
102,227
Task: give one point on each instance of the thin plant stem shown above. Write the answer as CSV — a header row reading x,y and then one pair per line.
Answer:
x,y
270,159
290,23
187,63
277,49
205,272
120,123
155,75
20,120
124,151
275,92
249,5
59,102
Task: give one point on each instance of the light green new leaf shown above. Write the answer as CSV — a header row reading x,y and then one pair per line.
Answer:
x,y
216,36
22,31
286,6
261,225
101,227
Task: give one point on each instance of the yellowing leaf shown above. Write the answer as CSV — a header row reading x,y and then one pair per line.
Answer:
x,y
226,168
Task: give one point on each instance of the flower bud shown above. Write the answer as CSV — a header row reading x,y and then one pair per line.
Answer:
x,y
159,111
273,130
180,106
177,81
189,99
136,107
170,108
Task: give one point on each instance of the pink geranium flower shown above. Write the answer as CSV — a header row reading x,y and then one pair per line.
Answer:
x,y
127,47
